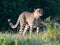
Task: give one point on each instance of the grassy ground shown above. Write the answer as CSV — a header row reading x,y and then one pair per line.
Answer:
x,y
43,38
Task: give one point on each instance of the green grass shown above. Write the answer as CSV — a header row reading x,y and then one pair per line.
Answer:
x,y
42,39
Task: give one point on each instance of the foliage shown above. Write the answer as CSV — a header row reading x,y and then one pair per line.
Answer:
x,y
13,8
52,28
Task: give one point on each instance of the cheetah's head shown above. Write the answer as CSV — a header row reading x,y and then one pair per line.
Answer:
x,y
38,12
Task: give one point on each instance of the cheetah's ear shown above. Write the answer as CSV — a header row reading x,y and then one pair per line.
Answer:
x,y
34,9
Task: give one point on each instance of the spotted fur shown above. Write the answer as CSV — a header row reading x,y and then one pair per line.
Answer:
x,y
27,19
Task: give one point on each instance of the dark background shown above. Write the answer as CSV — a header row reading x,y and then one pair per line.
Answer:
x,y
12,8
